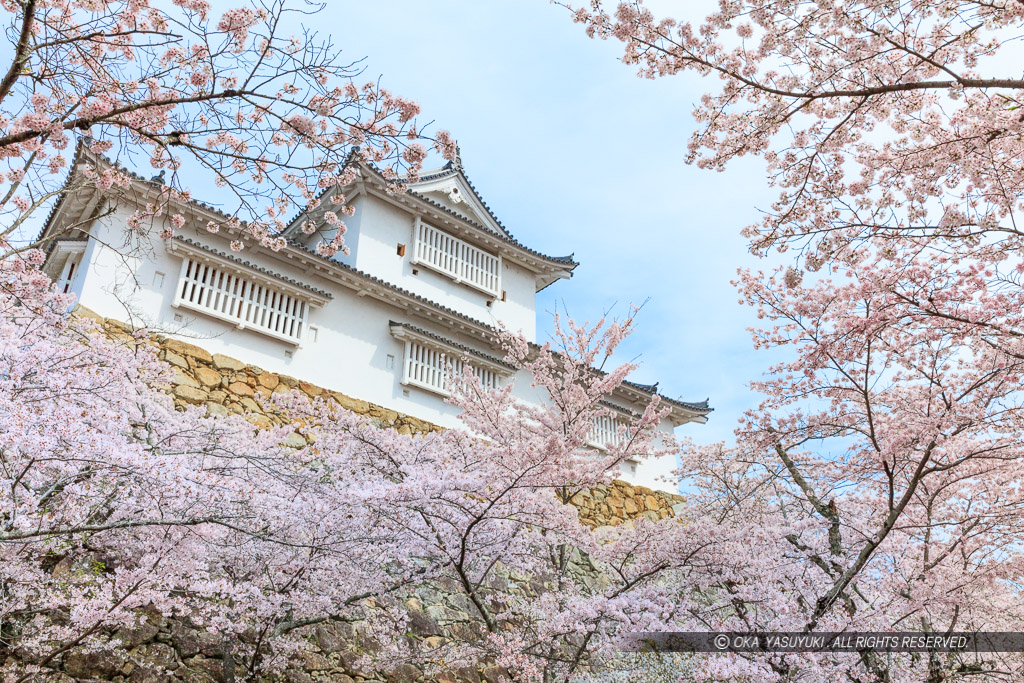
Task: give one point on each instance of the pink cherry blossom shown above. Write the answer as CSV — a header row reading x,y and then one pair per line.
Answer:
x,y
262,114
880,476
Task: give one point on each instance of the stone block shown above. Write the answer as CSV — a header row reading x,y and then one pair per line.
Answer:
x,y
215,409
156,657
84,664
194,675
204,669
174,359
241,389
84,312
179,377
268,380
185,639
222,362
433,642
353,404
250,405
338,677
330,638
190,394
420,624
495,674
210,644
261,421
294,440
186,349
468,674
118,326
402,673
207,376
149,623
313,661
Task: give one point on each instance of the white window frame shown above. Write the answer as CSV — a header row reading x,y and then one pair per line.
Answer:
x,y
69,273
425,361
244,297
458,259
606,431
73,251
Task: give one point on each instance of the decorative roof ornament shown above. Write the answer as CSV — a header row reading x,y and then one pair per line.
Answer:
x,y
457,161
159,177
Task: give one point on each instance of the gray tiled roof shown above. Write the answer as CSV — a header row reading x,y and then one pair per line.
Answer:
x,y
563,260
257,268
373,278
453,344
696,407
701,407
451,169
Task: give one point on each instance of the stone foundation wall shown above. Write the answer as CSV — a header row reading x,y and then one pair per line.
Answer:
x,y
171,650
228,385
619,502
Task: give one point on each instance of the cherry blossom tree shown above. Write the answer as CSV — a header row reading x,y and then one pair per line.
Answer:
x,y
487,511
115,504
884,467
231,98
884,462
117,508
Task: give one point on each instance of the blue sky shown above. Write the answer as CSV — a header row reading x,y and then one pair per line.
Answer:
x,y
574,153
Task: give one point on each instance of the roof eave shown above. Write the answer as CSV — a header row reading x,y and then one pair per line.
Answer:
x,y
512,247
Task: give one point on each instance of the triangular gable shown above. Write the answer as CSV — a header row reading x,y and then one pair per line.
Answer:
x,y
452,189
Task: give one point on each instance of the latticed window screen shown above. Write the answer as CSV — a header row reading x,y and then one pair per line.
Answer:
x,y
242,301
458,259
427,368
606,431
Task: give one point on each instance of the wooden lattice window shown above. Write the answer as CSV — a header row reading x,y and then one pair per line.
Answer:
x,y
605,431
458,259
427,367
245,302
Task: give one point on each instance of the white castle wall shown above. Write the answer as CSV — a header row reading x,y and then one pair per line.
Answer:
x,y
349,347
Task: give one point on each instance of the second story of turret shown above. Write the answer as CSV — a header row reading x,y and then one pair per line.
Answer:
x,y
440,240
